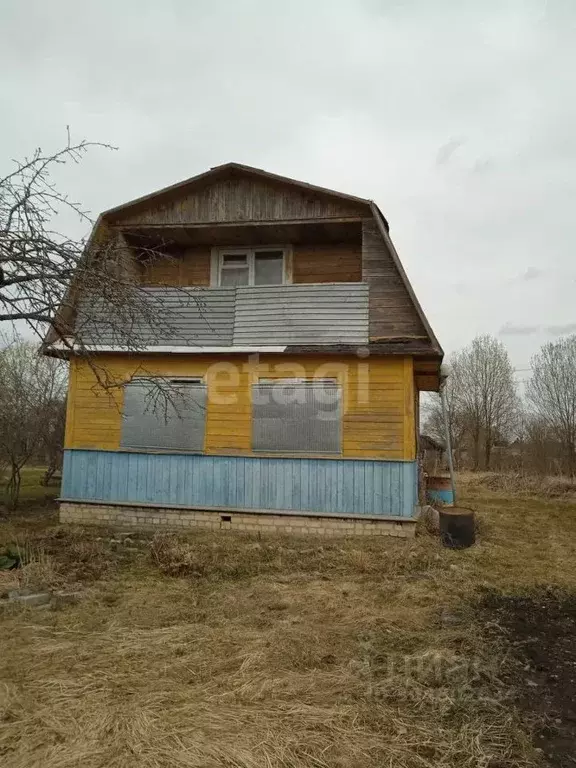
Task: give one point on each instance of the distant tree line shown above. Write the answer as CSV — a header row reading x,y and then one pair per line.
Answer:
x,y
494,426
32,413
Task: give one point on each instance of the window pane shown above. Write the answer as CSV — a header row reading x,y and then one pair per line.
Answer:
x,y
235,259
268,268
296,418
234,276
170,415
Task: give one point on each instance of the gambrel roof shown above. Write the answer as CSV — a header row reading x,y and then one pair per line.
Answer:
x,y
235,198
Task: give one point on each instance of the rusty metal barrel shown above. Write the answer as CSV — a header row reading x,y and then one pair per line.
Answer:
x,y
439,490
457,527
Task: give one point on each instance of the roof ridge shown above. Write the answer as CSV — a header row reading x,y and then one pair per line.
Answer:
x,y
249,169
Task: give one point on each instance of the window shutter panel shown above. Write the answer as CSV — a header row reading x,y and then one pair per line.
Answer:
x,y
171,417
296,418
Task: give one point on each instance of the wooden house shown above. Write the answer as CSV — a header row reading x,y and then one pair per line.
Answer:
x,y
296,356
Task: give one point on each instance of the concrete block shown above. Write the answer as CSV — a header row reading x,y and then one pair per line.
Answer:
x,y
37,598
61,599
177,519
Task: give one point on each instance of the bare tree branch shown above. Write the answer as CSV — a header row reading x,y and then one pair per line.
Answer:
x,y
82,289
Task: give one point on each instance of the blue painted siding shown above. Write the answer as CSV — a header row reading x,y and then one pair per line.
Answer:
x,y
237,482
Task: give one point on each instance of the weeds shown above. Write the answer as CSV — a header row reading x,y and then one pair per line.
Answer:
x,y
236,556
53,557
517,484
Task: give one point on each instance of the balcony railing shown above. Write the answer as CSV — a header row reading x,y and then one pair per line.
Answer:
x,y
248,316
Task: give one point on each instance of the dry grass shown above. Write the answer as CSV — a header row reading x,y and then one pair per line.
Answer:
x,y
229,650
520,484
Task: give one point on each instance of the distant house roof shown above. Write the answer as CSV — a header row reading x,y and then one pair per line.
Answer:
x,y
430,444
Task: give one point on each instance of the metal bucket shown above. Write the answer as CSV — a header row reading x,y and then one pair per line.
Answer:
x,y
439,490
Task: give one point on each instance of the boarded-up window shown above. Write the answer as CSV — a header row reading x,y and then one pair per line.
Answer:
x,y
296,416
164,414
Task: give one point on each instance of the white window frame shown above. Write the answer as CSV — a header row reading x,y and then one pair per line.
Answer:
x,y
250,253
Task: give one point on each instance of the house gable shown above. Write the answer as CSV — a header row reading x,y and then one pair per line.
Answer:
x,y
234,193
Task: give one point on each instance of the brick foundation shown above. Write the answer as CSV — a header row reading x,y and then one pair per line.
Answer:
x,y
142,517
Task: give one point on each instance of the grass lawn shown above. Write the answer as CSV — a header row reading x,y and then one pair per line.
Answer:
x,y
228,650
31,489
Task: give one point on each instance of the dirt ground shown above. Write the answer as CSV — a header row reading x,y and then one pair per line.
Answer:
x,y
238,651
539,632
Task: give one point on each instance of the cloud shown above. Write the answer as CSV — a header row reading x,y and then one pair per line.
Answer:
x,y
447,150
561,330
510,329
472,157
532,273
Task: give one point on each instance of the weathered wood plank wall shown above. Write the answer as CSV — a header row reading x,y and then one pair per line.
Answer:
x,y
191,267
327,263
242,199
392,312
338,263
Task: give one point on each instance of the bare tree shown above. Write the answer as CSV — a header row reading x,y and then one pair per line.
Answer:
x,y
29,385
51,448
483,406
485,394
457,423
36,262
541,452
80,289
552,393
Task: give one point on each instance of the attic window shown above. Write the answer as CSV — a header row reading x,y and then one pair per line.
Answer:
x,y
251,266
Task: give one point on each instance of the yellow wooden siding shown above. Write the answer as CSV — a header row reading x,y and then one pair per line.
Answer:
x,y
378,419
69,433
409,410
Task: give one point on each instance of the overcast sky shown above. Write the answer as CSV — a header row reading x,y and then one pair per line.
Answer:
x,y
458,118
